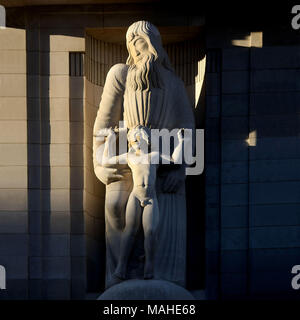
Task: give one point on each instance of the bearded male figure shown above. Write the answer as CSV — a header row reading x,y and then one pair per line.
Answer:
x,y
145,91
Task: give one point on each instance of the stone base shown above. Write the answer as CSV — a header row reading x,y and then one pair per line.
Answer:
x,y
146,290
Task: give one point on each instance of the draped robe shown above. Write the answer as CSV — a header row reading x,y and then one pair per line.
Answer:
x,y
166,108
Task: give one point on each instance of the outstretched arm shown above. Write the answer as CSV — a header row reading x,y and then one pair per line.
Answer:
x,y
123,158
106,153
177,153
176,156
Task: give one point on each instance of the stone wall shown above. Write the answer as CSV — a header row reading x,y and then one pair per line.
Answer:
x,y
251,170
14,238
55,171
94,195
56,250
274,158
188,59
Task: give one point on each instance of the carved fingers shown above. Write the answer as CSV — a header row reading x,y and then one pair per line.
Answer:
x,y
107,175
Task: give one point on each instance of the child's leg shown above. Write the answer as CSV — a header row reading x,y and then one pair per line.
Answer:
x,y
150,224
132,224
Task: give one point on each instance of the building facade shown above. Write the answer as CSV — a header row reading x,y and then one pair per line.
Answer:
x,y
242,76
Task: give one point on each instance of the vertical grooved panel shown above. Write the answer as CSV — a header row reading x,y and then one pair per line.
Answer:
x,y
76,62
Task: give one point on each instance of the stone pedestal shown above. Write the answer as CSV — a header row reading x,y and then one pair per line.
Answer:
x,y
146,290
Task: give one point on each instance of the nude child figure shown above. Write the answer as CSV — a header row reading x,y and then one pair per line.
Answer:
x,y
142,205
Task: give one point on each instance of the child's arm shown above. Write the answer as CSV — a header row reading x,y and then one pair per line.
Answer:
x,y
122,158
109,153
176,156
177,153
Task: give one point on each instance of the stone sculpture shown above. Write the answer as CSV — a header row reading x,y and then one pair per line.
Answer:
x,y
142,202
146,94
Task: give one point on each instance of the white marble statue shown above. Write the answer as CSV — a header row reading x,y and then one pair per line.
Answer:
x,y
146,93
142,206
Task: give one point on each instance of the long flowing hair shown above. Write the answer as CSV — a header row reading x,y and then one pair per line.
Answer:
x,y
147,75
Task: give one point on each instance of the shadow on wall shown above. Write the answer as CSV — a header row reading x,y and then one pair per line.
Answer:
x,y
195,185
250,181
86,192
188,59
94,197
77,223
55,172
39,176
252,159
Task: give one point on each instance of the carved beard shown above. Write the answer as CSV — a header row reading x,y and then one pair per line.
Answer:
x,y
146,74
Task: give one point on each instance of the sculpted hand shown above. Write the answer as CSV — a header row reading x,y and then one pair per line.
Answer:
x,y
180,135
104,132
174,180
107,175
